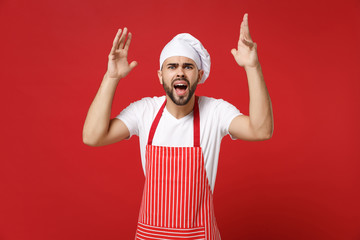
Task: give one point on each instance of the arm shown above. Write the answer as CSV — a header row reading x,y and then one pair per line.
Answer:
x,y
259,124
98,129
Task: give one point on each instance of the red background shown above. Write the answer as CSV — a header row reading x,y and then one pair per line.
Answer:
x,y
302,184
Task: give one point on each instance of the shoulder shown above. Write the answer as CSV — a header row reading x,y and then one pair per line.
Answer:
x,y
145,107
151,100
209,103
137,114
217,114
148,103
217,109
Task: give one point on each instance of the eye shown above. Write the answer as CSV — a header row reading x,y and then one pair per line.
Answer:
x,y
188,67
171,67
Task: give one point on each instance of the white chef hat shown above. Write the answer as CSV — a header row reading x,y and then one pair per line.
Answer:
x,y
186,45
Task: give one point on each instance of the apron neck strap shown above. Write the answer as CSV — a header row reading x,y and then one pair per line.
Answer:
x,y
196,123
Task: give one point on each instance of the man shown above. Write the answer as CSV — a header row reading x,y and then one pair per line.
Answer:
x,y
179,133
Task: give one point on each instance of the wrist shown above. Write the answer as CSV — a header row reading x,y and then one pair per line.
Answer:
x,y
107,77
255,67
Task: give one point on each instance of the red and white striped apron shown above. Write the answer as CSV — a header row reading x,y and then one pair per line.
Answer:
x,y
177,201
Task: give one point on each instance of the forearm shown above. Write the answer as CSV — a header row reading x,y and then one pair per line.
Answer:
x,y
97,120
261,116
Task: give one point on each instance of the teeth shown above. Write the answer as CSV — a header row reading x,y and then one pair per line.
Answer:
x,y
180,85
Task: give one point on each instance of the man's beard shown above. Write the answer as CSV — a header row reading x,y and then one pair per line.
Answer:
x,y
180,100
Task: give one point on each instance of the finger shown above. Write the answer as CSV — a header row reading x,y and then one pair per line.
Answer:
x,y
116,40
250,44
242,33
133,64
233,52
246,27
242,38
128,41
242,28
122,39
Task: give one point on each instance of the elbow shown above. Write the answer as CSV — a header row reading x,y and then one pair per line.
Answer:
x,y
264,135
262,131
267,136
90,141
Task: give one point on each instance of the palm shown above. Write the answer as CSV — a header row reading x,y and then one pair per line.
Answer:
x,y
118,66
245,54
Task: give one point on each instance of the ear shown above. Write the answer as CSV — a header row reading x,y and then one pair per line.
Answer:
x,y
201,73
160,76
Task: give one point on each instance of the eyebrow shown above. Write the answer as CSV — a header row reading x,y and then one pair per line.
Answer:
x,y
176,64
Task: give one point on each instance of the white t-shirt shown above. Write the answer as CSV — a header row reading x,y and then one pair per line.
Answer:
x,y
215,118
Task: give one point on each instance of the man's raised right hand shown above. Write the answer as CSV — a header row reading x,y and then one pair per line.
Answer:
x,y
118,66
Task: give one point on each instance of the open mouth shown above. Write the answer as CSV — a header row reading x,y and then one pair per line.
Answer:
x,y
180,87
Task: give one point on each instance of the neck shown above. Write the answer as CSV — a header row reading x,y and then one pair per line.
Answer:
x,y
179,111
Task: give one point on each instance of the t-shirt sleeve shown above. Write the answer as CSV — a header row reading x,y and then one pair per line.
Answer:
x,y
227,112
129,116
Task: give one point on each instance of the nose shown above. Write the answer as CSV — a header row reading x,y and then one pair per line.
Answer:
x,y
180,72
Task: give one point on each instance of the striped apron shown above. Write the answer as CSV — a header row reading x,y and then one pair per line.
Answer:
x,y
177,201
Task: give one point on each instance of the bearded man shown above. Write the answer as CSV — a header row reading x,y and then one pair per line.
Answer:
x,y
179,133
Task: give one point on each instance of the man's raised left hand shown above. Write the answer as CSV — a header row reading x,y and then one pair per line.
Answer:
x,y
245,55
